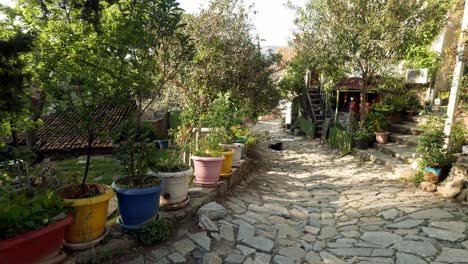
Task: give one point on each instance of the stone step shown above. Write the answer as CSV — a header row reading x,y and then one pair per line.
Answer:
x,y
406,128
403,139
406,154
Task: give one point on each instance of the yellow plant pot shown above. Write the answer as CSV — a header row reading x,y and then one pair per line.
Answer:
x,y
89,214
227,163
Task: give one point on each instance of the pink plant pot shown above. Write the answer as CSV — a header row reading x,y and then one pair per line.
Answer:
x,y
207,169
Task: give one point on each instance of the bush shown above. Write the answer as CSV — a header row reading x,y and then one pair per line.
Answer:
x,y
340,139
457,137
156,231
431,147
308,127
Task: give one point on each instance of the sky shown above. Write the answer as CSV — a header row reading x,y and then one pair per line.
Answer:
x,y
274,21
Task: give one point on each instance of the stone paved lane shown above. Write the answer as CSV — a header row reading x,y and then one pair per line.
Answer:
x,y
307,204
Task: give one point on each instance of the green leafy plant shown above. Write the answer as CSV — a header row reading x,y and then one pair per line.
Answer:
x,y
339,138
363,132
156,231
377,122
24,211
431,148
457,137
167,161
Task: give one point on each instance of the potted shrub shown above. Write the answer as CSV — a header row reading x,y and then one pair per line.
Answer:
x,y
138,192
361,137
379,123
32,226
175,176
207,161
435,159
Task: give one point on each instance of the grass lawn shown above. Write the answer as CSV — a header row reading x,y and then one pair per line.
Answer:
x,y
103,169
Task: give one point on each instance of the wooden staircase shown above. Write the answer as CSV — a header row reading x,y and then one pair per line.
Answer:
x,y
315,107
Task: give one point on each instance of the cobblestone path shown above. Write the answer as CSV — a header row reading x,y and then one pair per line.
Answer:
x,y
307,204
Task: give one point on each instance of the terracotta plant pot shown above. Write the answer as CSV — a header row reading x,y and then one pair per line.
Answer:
x,y
175,187
381,137
227,163
90,214
39,246
207,169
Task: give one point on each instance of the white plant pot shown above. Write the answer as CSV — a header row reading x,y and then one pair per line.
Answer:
x,y
237,147
175,186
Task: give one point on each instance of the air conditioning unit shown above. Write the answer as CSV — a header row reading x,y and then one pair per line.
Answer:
x,y
420,76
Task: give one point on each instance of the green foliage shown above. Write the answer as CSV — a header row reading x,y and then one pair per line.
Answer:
x,y
421,56
339,138
167,161
457,137
377,122
363,132
308,127
21,212
431,148
158,230
221,116
243,132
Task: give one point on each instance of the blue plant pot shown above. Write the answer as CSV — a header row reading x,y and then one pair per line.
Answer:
x,y
432,174
243,141
163,143
137,206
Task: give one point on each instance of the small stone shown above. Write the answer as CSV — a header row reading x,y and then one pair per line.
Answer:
x,y
205,223
216,236
293,252
424,249
202,240
434,214
212,259
177,258
313,258
137,260
465,244
327,232
184,246
442,234
278,259
286,231
246,251
227,232
409,223
403,258
330,259
347,252
307,247
234,259
213,210
312,229
454,226
159,253
428,187
245,231
260,243
453,255
199,253
380,238
389,214
262,258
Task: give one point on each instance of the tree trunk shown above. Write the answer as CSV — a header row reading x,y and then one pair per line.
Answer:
x,y
37,105
88,160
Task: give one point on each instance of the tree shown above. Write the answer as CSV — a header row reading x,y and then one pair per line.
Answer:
x,y
365,37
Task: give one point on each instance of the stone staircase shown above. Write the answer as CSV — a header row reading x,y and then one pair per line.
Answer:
x,y
399,154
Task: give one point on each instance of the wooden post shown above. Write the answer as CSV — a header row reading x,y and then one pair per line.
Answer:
x,y
337,103
457,76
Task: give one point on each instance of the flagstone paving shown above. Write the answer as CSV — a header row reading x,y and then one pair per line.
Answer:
x,y
308,204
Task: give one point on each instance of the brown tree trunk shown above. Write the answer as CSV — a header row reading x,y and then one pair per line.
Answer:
x,y
38,100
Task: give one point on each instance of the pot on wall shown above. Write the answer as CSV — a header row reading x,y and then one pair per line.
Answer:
x,y
227,162
39,246
432,174
381,137
137,206
90,214
175,188
207,170
362,143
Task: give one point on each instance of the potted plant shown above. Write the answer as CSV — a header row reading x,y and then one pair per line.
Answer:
x,y
32,226
435,159
361,137
379,123
138,192
207,161
175,175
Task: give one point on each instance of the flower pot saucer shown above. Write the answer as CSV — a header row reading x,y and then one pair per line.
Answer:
x,y
85,245
226,174
176,206
208,184
60,258
134,227
237,165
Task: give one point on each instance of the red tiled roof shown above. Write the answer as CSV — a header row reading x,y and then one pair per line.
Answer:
x,y
354,83
59,133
